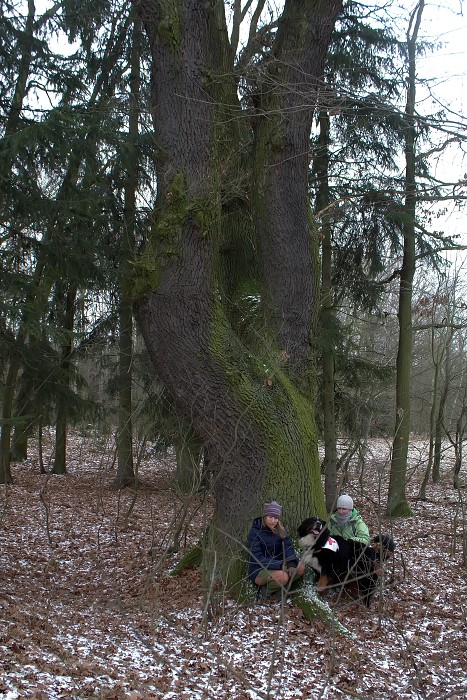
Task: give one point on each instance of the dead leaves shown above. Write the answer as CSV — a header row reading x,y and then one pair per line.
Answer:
x,y
93,617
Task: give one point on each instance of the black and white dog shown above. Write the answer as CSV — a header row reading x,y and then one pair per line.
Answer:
x,y
336,560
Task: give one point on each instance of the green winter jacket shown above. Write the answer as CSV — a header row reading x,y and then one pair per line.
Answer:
x,y
354,529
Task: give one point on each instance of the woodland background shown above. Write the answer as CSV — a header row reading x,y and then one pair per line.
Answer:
x,y
228,252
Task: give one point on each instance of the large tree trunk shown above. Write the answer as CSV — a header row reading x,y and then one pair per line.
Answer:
x,y
19,443
397,498
253,412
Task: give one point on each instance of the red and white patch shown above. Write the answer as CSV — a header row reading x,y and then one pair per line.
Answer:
x,y
331,544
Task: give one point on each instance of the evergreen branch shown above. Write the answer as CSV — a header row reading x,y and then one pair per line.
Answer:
x,y
48,14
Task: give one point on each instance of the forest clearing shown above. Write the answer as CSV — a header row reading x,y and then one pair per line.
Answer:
x,y
88,608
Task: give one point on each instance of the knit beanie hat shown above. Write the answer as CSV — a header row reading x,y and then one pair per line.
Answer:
x,y
273,509
344,501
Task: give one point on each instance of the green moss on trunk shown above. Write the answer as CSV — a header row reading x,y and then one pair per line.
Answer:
x,y
191,558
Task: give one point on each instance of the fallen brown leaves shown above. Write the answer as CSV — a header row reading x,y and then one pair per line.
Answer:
x,y
88,607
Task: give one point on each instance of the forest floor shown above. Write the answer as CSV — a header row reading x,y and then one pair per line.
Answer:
x,y
88,608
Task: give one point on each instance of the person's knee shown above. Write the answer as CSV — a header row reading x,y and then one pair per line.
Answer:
x,y
280,577
262,578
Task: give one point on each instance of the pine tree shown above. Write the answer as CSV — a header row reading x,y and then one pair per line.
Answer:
x,y
53,195
352,129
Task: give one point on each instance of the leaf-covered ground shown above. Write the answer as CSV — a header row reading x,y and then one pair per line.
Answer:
x,y
88,608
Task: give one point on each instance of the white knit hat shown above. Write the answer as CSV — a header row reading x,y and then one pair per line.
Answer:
x,y
344,501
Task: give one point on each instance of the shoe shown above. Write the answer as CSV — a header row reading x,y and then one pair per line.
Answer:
x,y
263,596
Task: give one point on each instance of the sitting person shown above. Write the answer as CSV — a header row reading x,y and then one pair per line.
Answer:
x,y
347,522
273,562
339,552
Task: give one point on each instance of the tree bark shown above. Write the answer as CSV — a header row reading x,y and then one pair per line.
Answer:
x,y
321,168
437,354
253,411
439,424
188,450
61,424
125,466
397,498
461,425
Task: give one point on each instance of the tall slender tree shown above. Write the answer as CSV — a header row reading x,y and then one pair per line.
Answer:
x,y
353,165
125,467
323,204
397,497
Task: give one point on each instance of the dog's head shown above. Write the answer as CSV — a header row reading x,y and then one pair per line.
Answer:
x,y
309,531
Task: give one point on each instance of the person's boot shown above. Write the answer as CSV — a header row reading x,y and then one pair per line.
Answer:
x,y
274,590
261,595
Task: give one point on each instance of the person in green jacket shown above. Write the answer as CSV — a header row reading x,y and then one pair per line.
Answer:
x,y
347,522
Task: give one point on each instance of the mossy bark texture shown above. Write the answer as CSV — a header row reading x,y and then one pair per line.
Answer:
x,y
249,396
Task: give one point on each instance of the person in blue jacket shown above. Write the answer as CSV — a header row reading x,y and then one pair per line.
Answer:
x,y
273,561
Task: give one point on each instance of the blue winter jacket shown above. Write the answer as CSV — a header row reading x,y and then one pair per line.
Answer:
x,y
268,550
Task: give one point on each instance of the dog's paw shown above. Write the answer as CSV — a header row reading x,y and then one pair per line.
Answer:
x,y
323,583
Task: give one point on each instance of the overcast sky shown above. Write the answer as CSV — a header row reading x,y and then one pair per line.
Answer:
x,y
446,69
446,24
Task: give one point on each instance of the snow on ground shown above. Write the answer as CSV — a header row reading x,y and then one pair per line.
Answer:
x,y
88,608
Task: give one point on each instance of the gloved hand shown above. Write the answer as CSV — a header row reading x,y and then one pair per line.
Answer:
x,y
292,570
